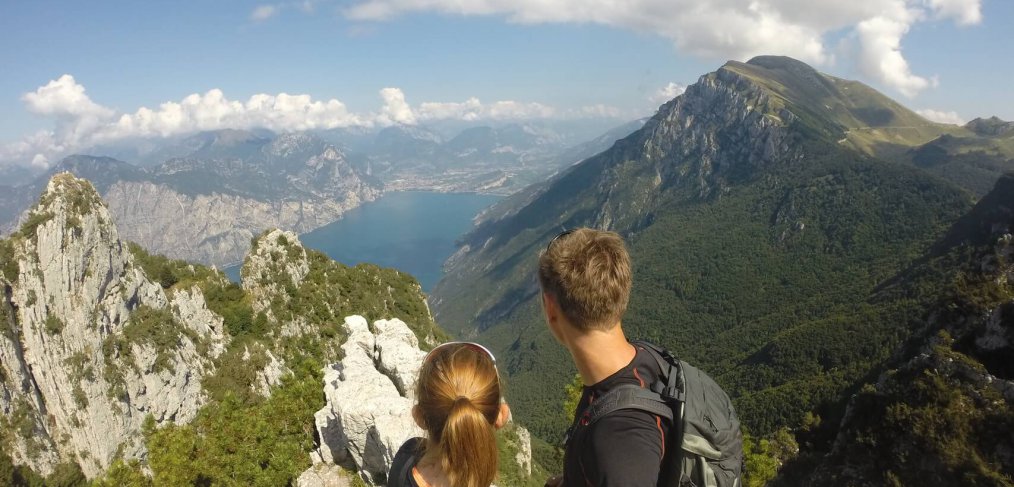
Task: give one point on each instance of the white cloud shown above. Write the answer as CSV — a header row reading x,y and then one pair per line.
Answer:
x,y
880,53
395,109
941,116
79,122
965,12
730,29
668,92
472,109
63,97
263,12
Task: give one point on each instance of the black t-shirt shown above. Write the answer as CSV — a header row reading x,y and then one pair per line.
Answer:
x,y
624,448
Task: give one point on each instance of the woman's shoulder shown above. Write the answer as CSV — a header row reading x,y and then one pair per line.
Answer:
x,y
404,460
411,446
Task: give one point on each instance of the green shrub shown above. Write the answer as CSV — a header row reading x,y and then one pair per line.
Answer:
x,y
123,474
8,260
234,443
36,218
54,325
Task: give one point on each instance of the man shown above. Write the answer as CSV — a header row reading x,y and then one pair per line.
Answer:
x,y
585,277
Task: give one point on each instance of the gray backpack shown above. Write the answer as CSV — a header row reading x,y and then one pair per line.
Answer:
x,y
705,422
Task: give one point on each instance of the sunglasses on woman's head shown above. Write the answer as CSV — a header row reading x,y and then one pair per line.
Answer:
x,y
474,346
471,345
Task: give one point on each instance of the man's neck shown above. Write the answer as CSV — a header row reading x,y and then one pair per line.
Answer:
x,y
600,354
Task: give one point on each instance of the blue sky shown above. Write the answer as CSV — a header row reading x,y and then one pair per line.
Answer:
x,y
568,58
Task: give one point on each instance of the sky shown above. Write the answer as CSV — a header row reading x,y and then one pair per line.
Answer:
x,y
77,74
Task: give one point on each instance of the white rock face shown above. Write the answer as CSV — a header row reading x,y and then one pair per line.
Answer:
x,y
323,475
162,219
269,376
524,456
399,355
365,419
276,246
77,379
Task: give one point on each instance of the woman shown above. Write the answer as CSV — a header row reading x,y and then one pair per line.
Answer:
x,y
459,405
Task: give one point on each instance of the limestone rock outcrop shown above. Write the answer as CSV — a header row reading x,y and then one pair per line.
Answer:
x,y
398,355
90,345
366,418
277,260
324,475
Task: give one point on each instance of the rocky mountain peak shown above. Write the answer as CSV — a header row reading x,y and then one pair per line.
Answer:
x,y
286,145
990,127
682,141
276,261
91,346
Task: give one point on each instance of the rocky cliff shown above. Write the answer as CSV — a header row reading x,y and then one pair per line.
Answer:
x,y
208,204
216,228
91,346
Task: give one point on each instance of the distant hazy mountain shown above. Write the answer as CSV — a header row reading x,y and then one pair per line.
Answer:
x,y
500,158
206,205
973,157
991,127
763,208
13,175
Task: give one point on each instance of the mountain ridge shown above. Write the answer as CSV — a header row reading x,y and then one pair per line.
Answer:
x,y
733,200
207,210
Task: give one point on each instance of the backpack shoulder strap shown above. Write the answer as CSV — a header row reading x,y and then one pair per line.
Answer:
x,y
628,396
674,387
404,460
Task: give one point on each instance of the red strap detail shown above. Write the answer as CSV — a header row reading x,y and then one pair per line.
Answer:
x,y
658,422
639,379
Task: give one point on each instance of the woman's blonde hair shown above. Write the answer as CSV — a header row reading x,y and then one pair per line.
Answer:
x,y
458,396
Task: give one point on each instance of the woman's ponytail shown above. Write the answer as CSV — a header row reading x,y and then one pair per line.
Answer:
x,y
468,453
458,401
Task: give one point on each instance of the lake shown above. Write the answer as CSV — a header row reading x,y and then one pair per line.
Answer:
x,y
412,231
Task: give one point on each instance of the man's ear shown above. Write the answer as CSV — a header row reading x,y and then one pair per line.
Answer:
x,y
549,306
503,416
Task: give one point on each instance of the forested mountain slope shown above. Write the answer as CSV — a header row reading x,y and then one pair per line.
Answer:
x,y
759,238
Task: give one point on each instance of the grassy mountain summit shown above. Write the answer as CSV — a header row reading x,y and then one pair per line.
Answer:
x,y
759,238
859,116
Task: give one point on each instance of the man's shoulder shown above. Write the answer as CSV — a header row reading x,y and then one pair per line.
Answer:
x,y
624,447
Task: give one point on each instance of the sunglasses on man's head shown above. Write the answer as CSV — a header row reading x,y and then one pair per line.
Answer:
x,y
558,237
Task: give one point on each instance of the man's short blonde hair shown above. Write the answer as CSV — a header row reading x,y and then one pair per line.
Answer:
x,y
588,272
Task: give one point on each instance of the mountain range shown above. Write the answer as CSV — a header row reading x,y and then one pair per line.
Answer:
x,y
207,205
203,197
839,264
766,211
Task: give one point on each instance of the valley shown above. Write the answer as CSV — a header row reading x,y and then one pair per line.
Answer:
x,y
839,264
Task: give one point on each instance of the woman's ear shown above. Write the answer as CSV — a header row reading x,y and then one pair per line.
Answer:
x,y
503,417
417,416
